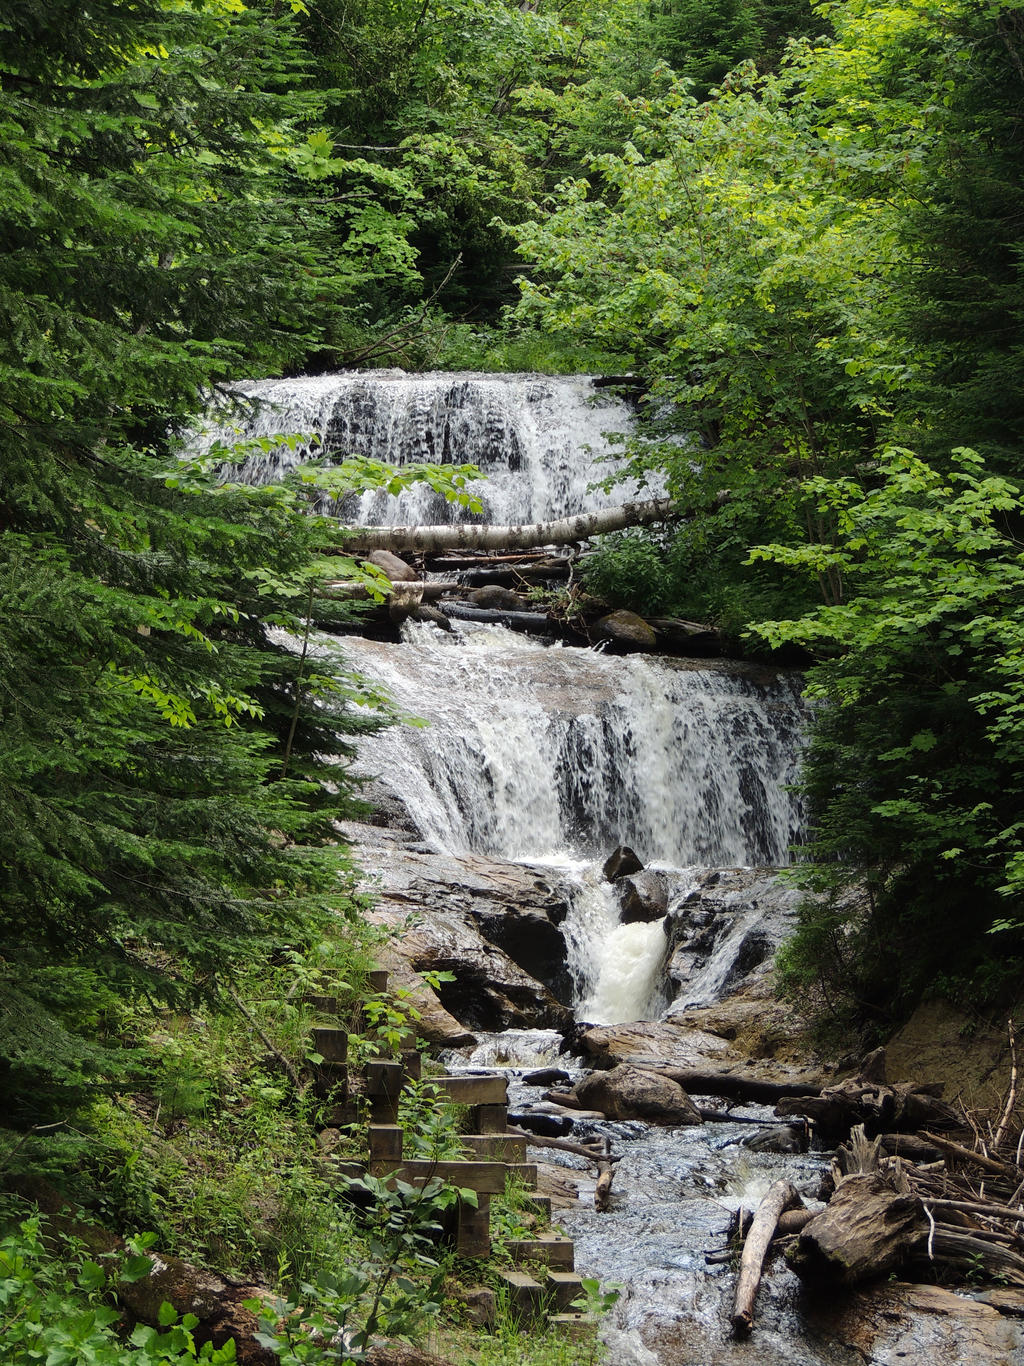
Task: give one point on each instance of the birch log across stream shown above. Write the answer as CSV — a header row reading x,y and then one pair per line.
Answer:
x,y
495,822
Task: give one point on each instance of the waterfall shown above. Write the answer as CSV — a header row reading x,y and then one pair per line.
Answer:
x,y
540,752
543,751
540,440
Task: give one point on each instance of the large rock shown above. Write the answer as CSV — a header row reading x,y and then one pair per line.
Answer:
x,y
217,1303
433,1023
629,1093
393,567
493,924
891,1323
642,897
626,628
493,596
620,863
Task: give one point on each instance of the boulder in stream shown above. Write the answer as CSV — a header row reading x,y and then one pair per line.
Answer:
x,y
620,863
500,599
626,628
393,567
630,1093
643,897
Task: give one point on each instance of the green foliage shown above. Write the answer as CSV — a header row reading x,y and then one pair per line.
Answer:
x,y
811,266
55,1307
391,1295
915,771
431,1126
163,818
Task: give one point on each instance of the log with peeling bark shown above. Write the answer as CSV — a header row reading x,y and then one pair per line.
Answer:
x,y
474,536
351,591
762,1229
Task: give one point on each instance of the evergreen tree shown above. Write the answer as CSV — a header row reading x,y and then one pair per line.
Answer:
x,y
158,234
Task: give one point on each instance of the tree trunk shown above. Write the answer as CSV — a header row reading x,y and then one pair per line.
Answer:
x,y
755,1249
468,536
866,1230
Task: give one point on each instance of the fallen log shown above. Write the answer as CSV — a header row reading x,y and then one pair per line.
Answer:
x,y
866,1230
973,1251
779,1197
989,1164
538,623
475,536
605,1177
593,1151
351,591
911,1147
731,1085
883,1109
793,1221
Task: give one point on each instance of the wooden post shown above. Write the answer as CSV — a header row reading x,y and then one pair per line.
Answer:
x,y
331,1044
491,1119
383,1085
385,1143
473,1238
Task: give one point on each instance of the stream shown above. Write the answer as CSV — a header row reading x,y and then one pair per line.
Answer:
x,y
543,758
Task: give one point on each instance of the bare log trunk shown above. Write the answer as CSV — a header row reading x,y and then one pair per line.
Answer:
x,y
731,1085
780,1196
865,1231
467,536
605,1177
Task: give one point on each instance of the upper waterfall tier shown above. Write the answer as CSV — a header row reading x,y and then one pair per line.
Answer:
x,y
540,440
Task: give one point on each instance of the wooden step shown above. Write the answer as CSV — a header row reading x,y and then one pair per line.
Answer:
x,y
502,1147
581,1328
331,1044
552,1249
565,1286
377,979
525,1171
321,1003
525,1295
467,1090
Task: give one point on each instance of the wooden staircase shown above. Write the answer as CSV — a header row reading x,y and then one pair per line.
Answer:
x,y
543,1282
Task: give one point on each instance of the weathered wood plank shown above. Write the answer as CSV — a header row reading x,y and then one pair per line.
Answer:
x,y
469,1090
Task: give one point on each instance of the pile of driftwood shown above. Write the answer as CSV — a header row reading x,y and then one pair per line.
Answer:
x,y
944,1202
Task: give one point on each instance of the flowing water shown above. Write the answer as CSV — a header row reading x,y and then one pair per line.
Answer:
x,y
542,442
555,755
